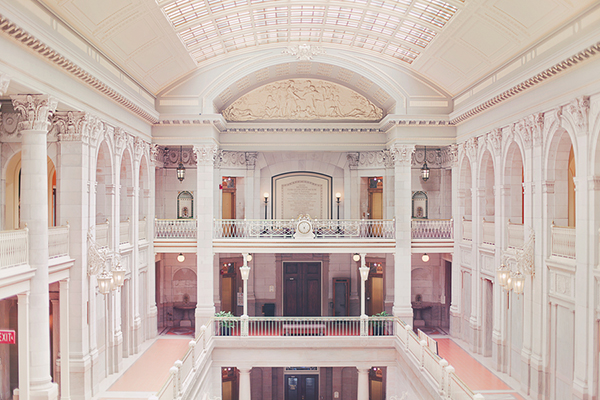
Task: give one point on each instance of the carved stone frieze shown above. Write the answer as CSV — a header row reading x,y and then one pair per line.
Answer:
x,y
171,156
302,99
10,123
71,126
156,153
230,159
205,155
251,158
373,159
434,157
401,154
304,52
35,110
578,110
449,156
352,159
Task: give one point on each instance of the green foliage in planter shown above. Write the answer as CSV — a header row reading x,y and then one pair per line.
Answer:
x,y
225,314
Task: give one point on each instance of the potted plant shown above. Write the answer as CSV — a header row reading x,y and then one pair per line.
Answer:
x,y
225,325
379,325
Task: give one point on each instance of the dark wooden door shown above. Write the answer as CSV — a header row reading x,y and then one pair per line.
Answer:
x,y
301,387
302,289
341,289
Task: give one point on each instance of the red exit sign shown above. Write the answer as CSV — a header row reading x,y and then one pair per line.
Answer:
x,y
7,337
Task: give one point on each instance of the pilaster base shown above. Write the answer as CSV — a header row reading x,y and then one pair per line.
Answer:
x,y
137,335
525,371
580,390
152,322
475,342
539,381
50,393
455,324
203,314
405,313
82,386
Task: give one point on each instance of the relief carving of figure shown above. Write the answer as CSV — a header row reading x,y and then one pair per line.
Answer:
x,y
302,99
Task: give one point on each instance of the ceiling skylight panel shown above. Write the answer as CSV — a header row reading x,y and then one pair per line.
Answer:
x,y
397,6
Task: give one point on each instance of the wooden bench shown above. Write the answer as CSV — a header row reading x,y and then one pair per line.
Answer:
x,y
303,330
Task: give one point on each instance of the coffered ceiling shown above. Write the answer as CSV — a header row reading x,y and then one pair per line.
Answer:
x,y
453,43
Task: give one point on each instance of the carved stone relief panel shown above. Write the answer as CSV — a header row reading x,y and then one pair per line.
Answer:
x,y
302,99
562,284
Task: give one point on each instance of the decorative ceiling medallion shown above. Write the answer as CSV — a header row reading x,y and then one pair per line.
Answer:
x,y
304,52
302,99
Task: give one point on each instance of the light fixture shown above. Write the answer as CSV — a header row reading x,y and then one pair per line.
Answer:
x,y
180,167
118,274
518,282
266,196
181,257
245,272
425,168
249,257
425,257
503,274
356,257
104,282
338,196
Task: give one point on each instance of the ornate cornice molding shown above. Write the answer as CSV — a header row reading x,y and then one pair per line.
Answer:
x,y
22,36
35,110
170,156
529,83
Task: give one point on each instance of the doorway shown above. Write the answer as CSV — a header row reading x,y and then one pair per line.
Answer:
x,y
228,292
377,383
301,387
301,289
230,383
341,297
374,288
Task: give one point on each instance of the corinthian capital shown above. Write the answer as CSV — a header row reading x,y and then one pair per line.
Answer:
x,y
71,126
578,110
35,110
205,154
402,154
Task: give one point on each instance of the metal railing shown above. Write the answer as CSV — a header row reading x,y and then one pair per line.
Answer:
x,y
488,232
432,228
58,241
175,228
516,235
14,248
304,326
322,228
563,241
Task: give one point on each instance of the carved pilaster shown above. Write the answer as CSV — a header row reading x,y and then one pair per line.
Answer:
x,y
352,160
471,148
4,82
401,154
578,111
251,158
71,126
155,153
495,140
35,110
449,156
139,148
205,155
120,141
536,123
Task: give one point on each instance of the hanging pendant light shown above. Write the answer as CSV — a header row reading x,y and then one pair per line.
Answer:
x,y
180,167
425,168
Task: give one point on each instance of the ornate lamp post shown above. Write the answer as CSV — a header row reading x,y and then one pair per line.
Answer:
x,y
245,272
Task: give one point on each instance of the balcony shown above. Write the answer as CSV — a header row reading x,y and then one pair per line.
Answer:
x,y
563,241
488,233
14,248
432,235
516,235
285,341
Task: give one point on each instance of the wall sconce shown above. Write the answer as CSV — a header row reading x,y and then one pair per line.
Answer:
x,y
510,279
180,167
356,257
425,169
266,196
425,257
338,197
249,257
181,257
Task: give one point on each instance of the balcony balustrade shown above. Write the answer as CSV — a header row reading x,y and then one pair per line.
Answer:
x,y
175,229
432,229
467,230
124,232
563,241
516,235
14,248
488,232
58,241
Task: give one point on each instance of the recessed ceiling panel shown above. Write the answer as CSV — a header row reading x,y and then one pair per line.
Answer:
x,y
485,38
99,11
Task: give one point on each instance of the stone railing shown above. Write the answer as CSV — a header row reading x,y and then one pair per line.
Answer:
x,y
467,230
516,235
58,241
488,232
102,234
14,248
142,229
124,231
185,380
563,241
175,229
432,228
321,228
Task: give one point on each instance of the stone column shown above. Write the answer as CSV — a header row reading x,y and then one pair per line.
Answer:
x,y
34,125
4,82
152,308
401,157
474,337
65,370
77,135
205,308
23,345
244,382
251,198
138,149
362,389
455,306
